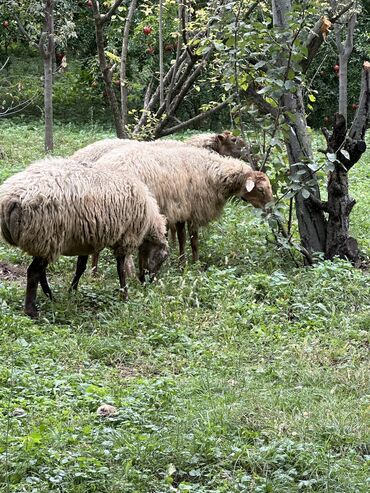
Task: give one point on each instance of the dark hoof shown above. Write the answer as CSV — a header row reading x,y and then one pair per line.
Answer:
x,y
123,294
32,312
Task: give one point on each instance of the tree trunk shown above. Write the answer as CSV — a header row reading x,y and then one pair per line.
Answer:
x,y
105,69
48,102
311,220
343,71
47,48
123,78
160,41
340,204
344,51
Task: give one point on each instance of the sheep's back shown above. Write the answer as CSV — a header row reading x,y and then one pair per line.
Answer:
x,y
96,150
75,210
188,182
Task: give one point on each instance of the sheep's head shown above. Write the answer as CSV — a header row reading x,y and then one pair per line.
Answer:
x,y
257,189
151,257
229,145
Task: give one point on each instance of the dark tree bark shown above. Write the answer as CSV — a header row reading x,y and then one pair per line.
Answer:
x,y
106,70
311,220
123,79
47,49
340,204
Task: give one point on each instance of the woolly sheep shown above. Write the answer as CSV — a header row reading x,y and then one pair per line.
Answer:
x,y
59,207
92,152
225,144
190,185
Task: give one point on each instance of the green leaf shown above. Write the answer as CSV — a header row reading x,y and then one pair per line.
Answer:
x,y
112,56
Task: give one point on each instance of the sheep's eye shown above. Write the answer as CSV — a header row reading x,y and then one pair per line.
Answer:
x,y
261,189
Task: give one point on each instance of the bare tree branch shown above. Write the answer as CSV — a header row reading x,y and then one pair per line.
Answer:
x,y
177,60
196,119
334,18
260,102
107,17
23,31
362,116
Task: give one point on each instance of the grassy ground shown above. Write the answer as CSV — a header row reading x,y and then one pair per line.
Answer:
x,y
243,373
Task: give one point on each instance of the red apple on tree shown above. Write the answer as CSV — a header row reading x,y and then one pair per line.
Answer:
x,y
6,24
336,68
326,119
354,106
89,4
147,30
150,50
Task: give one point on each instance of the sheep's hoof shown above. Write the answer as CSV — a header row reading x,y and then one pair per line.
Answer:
x,y
31,311
123,294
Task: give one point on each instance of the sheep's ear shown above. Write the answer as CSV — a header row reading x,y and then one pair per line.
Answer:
x,y
250,185
221,137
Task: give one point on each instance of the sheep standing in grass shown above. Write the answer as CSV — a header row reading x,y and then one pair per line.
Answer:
x,y
190,184
225,144
59,207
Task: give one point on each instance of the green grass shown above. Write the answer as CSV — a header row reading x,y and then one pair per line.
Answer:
x,y
243,373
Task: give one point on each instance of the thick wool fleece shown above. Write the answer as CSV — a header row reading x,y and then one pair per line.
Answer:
x,y
59,207
95,151
229,146
189,184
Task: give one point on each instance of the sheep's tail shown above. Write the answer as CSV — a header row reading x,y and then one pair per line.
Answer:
x,y
10,219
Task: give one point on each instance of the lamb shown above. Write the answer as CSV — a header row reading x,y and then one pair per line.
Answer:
x,y
59,207
190,185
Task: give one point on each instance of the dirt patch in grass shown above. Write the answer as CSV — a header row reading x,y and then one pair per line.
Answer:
x,y
11,272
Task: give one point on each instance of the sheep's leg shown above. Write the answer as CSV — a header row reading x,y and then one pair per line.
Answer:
x,y
34,274
45,285
172,234
80,269
94,263
122,276
181,236
193,233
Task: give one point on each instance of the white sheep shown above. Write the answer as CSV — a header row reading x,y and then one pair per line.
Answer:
x,y
59,207
190,184
225,144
